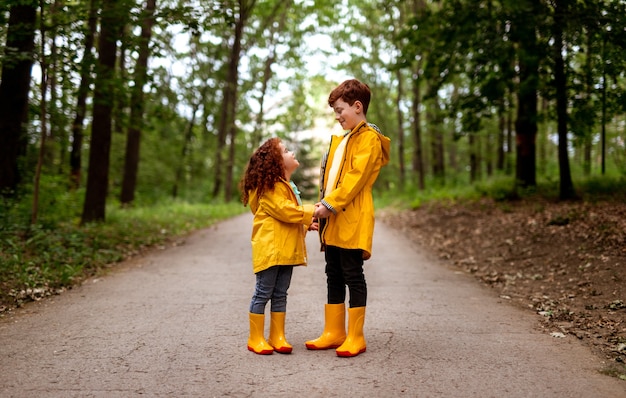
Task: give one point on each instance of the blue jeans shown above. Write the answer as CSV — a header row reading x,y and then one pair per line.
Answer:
x,y
271,284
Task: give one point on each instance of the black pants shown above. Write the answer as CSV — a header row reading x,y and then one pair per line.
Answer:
x,y
345,267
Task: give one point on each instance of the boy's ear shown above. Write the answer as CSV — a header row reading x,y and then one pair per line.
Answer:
x,y
359,106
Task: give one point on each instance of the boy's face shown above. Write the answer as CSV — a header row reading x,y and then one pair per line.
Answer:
x,y
348,115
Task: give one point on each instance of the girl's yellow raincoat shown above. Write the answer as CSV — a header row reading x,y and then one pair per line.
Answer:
x,y
279,227
352,225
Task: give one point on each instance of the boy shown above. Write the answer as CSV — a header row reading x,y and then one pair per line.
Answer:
x,y
346,216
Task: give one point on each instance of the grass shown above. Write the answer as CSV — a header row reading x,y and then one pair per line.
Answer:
x,y
502,189
41,260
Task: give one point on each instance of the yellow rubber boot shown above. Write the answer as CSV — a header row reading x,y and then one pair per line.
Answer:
x,y
277,333
334,332
256,341
355,342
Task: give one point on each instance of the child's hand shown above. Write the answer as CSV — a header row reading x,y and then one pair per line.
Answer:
x,y
321,211
314,225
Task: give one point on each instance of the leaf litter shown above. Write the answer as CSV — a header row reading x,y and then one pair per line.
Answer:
x,y
565,261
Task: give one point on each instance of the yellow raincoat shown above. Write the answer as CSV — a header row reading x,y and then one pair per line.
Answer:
x,y
352,224
279,228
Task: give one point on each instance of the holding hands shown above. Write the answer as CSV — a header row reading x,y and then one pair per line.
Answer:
x,y
321,211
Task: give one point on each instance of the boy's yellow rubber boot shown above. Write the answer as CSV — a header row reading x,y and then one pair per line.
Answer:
x,y
355,342
334,332
256,341
277,333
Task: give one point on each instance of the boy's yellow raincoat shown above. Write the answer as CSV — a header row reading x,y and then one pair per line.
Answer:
x,y
352,226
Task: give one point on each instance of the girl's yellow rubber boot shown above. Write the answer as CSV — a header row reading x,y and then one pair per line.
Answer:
x,y
256,341
334,332
355,342
277,333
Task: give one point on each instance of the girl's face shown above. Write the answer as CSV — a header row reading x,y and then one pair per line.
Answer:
x,y
348,115
289,158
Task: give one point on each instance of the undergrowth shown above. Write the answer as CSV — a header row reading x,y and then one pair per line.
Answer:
x,y
46,258
502,189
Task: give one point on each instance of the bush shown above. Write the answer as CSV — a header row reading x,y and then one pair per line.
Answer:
x,y
43,259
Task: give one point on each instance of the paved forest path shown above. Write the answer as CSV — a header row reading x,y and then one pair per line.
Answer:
x,y
174,323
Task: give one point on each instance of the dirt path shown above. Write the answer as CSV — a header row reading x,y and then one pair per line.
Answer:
x,y
174,323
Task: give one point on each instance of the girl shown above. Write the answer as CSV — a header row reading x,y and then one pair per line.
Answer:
x,y
278,230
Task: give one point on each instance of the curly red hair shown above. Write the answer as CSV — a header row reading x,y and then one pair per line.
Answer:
x,y
264,169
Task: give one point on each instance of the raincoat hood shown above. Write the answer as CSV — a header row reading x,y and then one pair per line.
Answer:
x,y
385,144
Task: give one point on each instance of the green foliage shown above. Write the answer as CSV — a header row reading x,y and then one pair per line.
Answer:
x,y
597,187
36,261
412,197
56,204
501,189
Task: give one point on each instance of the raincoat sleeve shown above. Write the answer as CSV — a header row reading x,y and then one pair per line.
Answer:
x,y
282,205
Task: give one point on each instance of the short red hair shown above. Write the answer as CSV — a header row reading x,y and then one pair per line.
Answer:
x,y
351,91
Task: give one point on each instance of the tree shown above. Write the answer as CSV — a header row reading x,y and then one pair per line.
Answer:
x,y
524,34
449,40
111,24
275,33
14,89
566,190
86,66
43,113
133,140
226,127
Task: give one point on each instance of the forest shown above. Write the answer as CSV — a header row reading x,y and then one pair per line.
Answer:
x,y
111,108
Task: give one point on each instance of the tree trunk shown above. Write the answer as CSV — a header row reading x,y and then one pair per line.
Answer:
x,y
501,140
543,140
57,137
229,104
186,142
452,141
417,7
488,154
276,31
94,208
526,123
81,98
257,135
437,149
14,88
43,115
228,187
400,115
508,166
121,101
131,163
474,158
566,190
604,109
417,160
588,134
